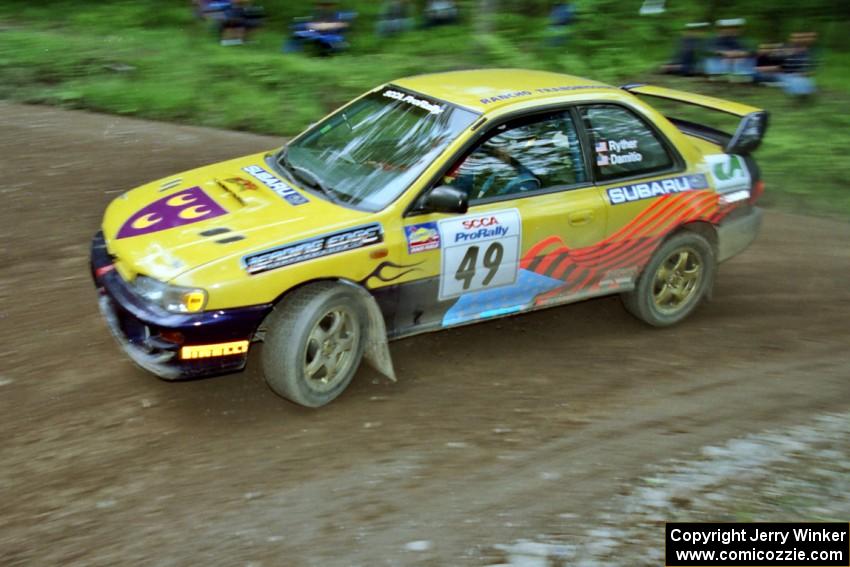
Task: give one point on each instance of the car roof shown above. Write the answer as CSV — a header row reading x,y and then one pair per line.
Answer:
x,y
485,90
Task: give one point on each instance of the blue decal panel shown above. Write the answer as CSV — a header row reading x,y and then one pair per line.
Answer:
x,y
652,189
500,301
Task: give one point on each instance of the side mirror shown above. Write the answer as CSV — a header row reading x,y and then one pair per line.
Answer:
x,y
445,199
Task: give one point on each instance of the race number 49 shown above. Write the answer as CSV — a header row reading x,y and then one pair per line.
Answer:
x,y
479,252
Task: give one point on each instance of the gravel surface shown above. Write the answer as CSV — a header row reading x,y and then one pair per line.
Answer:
x,y
494,433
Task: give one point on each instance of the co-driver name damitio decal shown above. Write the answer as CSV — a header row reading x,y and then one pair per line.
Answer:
x,y
616,152
288,194
479,252
318,247
650,189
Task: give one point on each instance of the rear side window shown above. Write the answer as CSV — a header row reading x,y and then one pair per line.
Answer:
x,y
622,144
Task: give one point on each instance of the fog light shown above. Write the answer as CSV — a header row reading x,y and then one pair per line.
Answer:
x,y
175,337
194,301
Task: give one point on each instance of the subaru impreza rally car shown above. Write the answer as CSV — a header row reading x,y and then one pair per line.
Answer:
x,y
430,202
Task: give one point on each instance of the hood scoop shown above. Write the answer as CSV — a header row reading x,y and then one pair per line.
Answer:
x,y
234,187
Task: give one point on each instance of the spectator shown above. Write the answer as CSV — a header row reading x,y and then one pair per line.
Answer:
x,y
327,15
769,58
395,18
240,18
440,12
728,55
324,31
798,65
691,51
560,18
212,10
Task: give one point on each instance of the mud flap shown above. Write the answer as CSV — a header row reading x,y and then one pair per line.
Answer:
x,y
377,351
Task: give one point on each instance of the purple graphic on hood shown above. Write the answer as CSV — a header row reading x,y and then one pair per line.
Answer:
x,y
185,207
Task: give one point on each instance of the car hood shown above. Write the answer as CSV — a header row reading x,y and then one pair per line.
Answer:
x,y
168,227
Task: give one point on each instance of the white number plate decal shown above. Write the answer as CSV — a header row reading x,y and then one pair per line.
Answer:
x,y
479,251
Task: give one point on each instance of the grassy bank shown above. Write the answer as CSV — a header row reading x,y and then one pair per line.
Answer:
x,y
154,60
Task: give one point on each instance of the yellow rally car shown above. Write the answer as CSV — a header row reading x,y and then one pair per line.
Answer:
x,y
430,202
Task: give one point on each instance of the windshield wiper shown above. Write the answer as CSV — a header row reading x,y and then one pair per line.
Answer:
x,y
279,164
307,177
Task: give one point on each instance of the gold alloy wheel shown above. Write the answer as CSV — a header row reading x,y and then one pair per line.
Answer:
x,y
677,280
331,349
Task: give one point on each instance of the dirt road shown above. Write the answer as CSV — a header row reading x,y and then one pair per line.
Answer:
x,y
494,432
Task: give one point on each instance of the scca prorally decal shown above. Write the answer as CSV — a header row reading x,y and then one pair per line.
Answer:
x,y
318,247
417,102
479,252
651,189
288,194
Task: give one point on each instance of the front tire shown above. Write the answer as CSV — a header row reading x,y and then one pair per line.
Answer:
x,y
314,343
679,275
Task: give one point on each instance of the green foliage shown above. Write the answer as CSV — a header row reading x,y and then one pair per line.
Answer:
x,y
152,58
801,156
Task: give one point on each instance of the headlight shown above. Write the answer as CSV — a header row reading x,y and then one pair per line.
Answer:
x,y
171,297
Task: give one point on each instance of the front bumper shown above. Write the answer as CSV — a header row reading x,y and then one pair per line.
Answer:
x,y
153,337
736,233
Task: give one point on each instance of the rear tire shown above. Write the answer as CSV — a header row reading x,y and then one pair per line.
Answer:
x,y
678,276
314,343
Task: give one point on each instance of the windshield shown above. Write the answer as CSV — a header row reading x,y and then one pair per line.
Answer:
x,y
367,154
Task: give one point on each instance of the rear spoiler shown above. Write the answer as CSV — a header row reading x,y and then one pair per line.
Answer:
x,y
750,131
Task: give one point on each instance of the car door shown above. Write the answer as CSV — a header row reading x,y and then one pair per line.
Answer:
x,y
645,183
531,201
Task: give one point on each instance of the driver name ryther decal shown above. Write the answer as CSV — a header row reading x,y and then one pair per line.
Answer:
x,y
616,152
288,194
313,248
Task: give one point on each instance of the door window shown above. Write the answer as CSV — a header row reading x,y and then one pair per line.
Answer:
x,y
533,154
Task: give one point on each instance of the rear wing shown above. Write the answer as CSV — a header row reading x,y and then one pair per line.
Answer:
x,y
747,137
